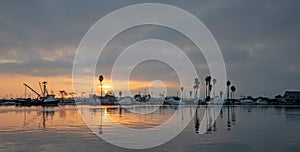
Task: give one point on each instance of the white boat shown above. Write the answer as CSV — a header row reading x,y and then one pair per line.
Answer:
x,y
49,100
172,100
248,102
261,102
104,100
125,101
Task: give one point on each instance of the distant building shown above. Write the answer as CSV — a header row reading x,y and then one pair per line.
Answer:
x,y
292,97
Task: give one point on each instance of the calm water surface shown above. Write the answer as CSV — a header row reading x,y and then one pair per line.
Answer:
x,y
238,128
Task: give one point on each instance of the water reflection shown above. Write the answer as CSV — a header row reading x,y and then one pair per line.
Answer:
x,y
211,114
47,112
291,113
233,115
100,128
235,125
53,117
228,119
205,116
38,118
147,116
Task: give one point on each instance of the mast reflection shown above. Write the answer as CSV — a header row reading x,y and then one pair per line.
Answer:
x,y
46,111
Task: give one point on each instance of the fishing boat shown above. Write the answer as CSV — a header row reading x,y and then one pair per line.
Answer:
x,y
49,100
23,101
7,102
46,98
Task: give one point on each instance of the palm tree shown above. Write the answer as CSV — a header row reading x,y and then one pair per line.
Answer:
x,y
233,89
228,83
214,83
101,79
207,83
181,89
221,94
72,94
82,93
196,86
62,94
120,94
208,87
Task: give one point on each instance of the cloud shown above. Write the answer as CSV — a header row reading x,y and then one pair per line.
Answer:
x,y
259,39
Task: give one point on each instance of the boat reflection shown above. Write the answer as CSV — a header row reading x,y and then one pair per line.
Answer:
x,y
31,119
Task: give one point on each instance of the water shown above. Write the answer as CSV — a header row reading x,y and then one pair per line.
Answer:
x,y
238,128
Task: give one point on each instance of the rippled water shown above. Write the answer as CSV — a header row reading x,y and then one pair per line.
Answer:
x,y
238,128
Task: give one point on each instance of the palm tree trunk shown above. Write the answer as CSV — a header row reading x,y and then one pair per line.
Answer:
x,y
228,92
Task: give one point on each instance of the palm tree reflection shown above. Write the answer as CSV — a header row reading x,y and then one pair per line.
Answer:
x,y
197,124
228,118
233,116
210,114
100,128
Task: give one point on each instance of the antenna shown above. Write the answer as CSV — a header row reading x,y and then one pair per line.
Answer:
x,y
25,91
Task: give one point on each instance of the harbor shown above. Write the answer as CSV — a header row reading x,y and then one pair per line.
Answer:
x,y
44,98
149,76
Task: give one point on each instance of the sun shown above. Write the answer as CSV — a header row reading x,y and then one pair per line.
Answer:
x,y
106,86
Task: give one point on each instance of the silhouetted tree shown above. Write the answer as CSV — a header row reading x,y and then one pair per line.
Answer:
x,y
72,94
221,94
196,86
181,89
233,89
82,93
101,79
214,83
208,87
207,84
120,94
62,94
228,83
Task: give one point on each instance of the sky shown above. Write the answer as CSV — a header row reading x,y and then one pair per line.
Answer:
x,y
259,40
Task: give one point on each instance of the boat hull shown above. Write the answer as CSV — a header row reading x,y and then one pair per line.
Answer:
x,y
49,103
